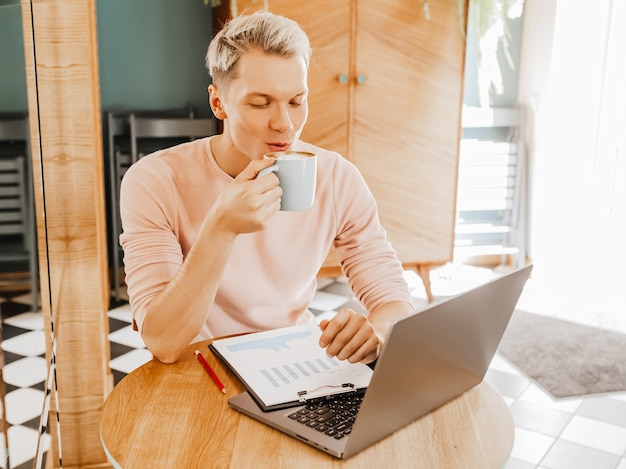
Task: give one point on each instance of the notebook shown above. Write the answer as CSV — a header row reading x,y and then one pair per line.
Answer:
x,y
428,359
285,367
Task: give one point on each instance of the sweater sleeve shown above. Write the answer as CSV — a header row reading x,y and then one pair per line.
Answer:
x,y
367,258
152,254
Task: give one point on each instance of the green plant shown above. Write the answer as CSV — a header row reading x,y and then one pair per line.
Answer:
x,y
489,22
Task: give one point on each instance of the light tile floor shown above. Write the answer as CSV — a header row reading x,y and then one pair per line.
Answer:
x,y
587,432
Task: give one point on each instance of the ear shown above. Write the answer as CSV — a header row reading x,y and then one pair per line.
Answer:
x,y
215,101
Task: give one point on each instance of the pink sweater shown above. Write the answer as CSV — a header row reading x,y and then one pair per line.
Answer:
x,y
271,275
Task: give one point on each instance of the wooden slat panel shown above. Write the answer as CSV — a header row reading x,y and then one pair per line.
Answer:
x,y
66,97
408,116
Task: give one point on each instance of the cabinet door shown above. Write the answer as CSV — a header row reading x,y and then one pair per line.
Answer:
x,y
407,120
327,24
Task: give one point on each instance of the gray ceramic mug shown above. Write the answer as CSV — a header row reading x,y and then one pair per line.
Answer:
x,y
297,175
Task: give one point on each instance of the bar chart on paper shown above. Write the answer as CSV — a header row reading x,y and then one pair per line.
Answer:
x,y
283,365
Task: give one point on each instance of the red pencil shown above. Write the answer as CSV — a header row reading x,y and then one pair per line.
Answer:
x,y
207,367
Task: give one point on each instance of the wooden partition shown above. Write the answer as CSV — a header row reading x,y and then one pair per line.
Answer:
x,y
64,115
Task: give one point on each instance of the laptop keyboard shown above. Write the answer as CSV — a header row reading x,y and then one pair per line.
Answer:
x,y
334,417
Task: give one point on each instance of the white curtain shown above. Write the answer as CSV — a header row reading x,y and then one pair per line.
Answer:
x,y
573,82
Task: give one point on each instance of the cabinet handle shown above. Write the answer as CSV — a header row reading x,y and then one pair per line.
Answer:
x,y
361,78
343,78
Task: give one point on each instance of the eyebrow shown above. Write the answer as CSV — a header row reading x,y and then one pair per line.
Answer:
x,y
265,95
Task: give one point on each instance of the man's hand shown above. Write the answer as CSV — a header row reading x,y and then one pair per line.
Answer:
x,y
249,202
350,336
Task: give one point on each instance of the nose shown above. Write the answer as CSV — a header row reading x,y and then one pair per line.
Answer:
x,y
281,119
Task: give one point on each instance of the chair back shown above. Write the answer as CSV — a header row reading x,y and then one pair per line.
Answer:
x,y
166,128
148,131
17,221
14,130
13,196
118,133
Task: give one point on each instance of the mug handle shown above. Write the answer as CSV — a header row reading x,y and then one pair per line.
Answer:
x,y
269,169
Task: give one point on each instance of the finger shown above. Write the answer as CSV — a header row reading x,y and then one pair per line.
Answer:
x,y
350,336
367,353
333,327
352,345
251,171
261,191
268,182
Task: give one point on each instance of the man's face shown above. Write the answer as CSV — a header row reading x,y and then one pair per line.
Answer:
x,y
265,103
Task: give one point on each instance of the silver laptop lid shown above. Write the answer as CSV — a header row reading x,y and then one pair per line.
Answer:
x,y
434,356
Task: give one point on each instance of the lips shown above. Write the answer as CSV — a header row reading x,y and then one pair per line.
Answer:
x,y
278,146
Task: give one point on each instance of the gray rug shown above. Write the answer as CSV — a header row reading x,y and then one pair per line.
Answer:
x,y
565,358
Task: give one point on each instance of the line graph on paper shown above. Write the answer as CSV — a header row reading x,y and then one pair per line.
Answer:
x,y
280,363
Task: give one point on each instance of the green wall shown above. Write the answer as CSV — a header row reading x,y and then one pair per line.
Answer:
x,y
13,97
151,55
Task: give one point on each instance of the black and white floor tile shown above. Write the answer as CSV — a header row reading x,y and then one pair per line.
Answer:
x,y
551,433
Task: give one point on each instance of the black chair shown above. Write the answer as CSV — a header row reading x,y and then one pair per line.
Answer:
x,y
148,133
17,220
118,132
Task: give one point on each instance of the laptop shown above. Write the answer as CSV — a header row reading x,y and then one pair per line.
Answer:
x,y
428,359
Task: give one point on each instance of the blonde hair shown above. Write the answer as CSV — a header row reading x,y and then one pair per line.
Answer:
x,y
265,31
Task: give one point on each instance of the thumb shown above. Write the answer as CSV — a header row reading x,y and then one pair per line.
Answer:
x,y
251,171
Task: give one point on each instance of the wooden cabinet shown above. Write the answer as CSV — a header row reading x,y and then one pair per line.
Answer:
x,y
386,90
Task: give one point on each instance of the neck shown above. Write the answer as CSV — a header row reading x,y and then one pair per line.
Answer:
x,y
226,155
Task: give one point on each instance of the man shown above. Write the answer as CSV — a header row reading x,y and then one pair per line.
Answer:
x,y
207,251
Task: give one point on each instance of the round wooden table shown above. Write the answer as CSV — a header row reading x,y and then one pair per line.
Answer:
x,y
171,416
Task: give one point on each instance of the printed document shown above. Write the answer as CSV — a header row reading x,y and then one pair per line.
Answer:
x,y
286,367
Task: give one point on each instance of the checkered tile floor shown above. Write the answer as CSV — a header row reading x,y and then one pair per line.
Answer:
x,y
551,433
